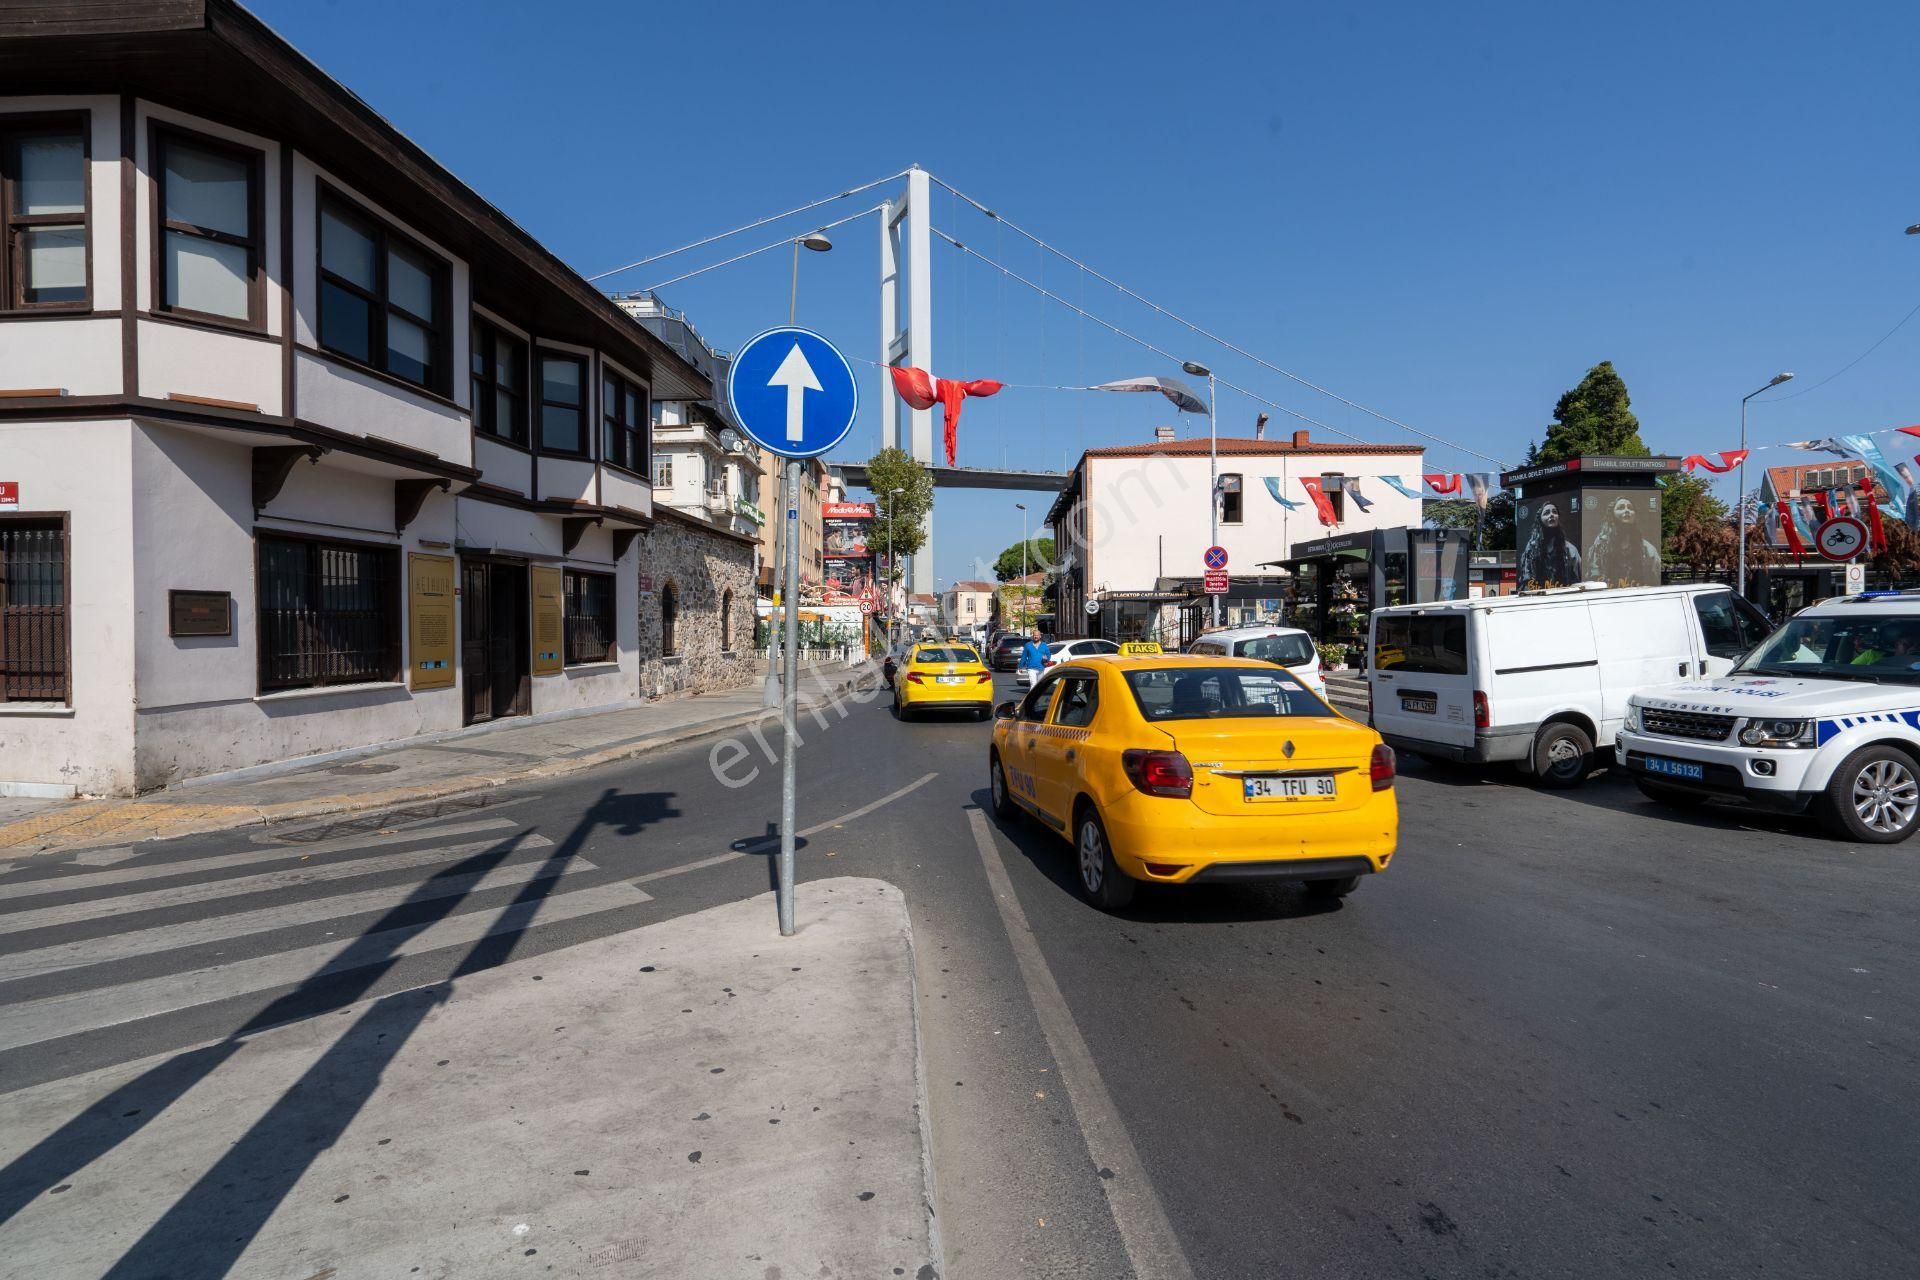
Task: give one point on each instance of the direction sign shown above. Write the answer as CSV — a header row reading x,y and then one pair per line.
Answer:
x,y
1841,538
1216,557
793,392
1092,607
1215,583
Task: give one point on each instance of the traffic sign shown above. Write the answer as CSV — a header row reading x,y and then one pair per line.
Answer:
x,y
793,392
1841,538
1215,582
1216,557
1092,607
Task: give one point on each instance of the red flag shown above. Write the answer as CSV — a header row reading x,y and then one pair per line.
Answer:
x,y
1729,459
1878,530
1908,431
1321,503
1443,484
1790,531
1820,505
923,392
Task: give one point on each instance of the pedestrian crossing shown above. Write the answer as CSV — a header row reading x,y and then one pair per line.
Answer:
x,y
218,903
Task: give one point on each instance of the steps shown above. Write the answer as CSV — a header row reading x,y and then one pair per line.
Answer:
x,y
1347,691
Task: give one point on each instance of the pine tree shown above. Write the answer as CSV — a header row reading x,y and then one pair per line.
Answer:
x,y
1593,418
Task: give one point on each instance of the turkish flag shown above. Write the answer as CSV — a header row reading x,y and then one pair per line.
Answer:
x,y
922,391
1321,502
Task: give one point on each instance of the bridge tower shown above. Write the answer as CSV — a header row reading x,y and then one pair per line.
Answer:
x,y
906,332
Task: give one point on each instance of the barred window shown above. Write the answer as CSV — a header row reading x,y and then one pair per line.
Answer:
x,y
33,610
589,617
669,619
329,613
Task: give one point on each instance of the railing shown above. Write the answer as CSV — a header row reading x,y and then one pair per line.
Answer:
x,y
718,503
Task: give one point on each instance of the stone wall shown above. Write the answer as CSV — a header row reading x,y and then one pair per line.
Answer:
x,y
700,564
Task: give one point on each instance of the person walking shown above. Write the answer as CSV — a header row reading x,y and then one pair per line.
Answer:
x,y
1033,659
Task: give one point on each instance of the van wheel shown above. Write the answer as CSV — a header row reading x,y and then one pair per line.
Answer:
x,y
1874,796
1105,884
1672,797
1562,756
1003,806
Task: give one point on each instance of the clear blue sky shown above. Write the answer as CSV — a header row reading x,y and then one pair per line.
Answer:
x,y
1445,213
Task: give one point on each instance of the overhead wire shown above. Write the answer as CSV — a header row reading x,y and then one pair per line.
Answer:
x,y
1795,395
765,248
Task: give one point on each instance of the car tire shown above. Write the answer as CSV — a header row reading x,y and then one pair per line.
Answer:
x,y
1004,807
901,711
1332,889
983,714
1874,796
1672,797
1562,756
1101,879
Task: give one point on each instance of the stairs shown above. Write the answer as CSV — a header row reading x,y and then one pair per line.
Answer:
x,y
1347,691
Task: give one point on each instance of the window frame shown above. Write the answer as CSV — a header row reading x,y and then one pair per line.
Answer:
x,y
486,424
610,652
255,243
612,419
12,276
538,396
1239,515
663,471
1068,682
65,522
390,603
385,237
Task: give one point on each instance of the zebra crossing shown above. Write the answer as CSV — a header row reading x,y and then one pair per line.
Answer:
x,y
83,950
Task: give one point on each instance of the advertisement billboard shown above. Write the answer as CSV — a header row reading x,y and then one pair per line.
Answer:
x,y
1591,535
847,558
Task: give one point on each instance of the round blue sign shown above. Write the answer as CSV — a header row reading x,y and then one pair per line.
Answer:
x,y
793,392
1216,557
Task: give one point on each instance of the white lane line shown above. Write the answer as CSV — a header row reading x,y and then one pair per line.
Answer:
x,y
213,890
1145,1231
172,937
243,858
773,842
37,1020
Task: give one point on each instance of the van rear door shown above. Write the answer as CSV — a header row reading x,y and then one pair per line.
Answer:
x,y
1418,673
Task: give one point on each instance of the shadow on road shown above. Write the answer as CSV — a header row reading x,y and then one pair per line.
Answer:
x,y
206,1230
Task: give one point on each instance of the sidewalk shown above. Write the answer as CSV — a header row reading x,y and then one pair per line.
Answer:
x,y
678,1099
396,774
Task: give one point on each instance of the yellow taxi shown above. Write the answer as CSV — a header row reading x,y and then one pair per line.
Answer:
x,y
1195,770
942,675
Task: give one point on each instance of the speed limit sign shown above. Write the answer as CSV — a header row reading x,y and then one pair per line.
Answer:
x,y
1841,538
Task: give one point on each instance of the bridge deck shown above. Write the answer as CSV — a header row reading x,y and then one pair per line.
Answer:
x,y
855,474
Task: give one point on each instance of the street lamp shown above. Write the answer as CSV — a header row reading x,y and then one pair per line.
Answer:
x,y
893,507
816,241
1914,230
1213,471
1740,573
1023,562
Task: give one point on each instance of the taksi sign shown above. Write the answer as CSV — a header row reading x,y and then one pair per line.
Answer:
x,y
793,392
1841,538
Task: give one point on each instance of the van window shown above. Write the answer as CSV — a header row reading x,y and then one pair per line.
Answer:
x,y
1430,646
1288,650
1729,630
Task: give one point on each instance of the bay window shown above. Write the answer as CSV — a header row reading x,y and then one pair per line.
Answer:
x,y
499,383
208,196
382,297
43,212
563,404
624,410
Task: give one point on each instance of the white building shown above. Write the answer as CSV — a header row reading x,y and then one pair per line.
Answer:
x,y
1131,526
303,444
966,605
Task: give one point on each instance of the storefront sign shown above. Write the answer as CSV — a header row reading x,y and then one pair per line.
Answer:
x,y
429,621
199,613
9,495
548,622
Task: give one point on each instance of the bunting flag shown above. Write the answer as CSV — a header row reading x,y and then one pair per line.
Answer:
x,y
1821,508
1826,444
1360,500
1321,503
922,391
1729,459
1897,487
1398,485
1874,526
1908,431
1273,487
1480,486
1441,486
1789,529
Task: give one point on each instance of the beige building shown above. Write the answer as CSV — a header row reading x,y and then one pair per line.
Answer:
x,y
967,604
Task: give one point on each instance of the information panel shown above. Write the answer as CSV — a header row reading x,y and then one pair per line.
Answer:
x,y
430,621
848,556
548,627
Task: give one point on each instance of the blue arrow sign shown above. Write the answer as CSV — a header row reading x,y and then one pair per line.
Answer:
x,y
793,392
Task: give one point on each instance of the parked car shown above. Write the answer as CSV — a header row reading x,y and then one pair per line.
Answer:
x,y
943,677
1542,680
1823,715
1004,655
1287,647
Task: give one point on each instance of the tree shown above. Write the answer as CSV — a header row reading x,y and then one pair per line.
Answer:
x,y
900,521
1495,524
1010,565
1593,418
1901,559
1686,498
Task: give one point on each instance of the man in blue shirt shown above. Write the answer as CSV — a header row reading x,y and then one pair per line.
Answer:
x,y
1033,657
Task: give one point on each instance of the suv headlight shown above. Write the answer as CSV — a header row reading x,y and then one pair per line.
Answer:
x,y
1633,718
1778,733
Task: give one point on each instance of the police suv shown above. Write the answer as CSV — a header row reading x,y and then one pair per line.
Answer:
x,y
1823,714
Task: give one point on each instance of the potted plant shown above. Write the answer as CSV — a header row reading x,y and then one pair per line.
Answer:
x,y
1333,656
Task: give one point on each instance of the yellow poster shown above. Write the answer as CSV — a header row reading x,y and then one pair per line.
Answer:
x,y
430,621
548,657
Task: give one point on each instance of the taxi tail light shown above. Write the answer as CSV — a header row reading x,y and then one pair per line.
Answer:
x,y
1482,713
1382,767
983,677
1159,773
914,677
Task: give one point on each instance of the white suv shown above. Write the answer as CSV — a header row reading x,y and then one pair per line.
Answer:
x,y
1824,714
1287,647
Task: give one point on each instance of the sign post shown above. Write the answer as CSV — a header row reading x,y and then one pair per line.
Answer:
x,y
795,395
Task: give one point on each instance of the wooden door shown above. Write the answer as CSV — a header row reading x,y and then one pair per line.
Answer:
x,y
476,624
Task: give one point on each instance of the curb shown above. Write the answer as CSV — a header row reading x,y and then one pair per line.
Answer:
x,y
203,820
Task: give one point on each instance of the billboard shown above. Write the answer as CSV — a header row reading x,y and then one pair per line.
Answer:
x,y
1590,535
846,534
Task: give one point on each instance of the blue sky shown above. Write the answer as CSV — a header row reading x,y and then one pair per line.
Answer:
x,y
1447,213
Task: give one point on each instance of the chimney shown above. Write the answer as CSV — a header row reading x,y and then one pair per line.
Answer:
x,y
1260,427
1162,435
1300,440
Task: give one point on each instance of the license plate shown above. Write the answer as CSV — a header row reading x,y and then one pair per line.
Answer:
x,y
1312,786
1425,706
949,679
1676,768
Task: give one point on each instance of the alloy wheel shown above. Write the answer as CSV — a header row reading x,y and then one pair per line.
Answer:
x,y
998,779
1886,796
1093,857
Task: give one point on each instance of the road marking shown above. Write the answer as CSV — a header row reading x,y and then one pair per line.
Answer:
x,y
751,847
193,933
1145,1231
56,1016
212,890
242,858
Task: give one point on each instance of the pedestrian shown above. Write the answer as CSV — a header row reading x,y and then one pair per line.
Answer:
x,y
1033,656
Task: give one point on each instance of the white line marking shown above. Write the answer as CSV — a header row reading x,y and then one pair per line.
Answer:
x,y
171,937
56,1016
243,858
213,890
1145,1231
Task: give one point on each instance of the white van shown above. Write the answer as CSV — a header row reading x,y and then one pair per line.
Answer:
x,y
1542,680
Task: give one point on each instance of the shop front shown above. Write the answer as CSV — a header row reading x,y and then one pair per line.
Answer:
x,y
1337,582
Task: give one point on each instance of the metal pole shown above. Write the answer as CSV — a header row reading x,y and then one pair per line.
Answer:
x,y
784,892
770,687
1213,487
1024,544
793,295
1740,553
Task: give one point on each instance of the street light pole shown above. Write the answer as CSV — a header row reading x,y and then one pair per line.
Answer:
x,y
1740,553
893,509
1023,563
1213,472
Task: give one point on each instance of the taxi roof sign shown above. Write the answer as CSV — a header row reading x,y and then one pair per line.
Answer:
x,y
1141,649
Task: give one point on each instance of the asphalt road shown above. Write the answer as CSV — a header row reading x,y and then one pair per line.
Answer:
x,y
1567,1034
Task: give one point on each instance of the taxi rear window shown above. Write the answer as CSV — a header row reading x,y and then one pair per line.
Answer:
x,y
1220,693
931,656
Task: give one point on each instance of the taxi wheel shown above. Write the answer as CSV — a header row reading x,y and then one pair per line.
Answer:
x,y
1101,879
1562,755
1874,796
1003,806
901,711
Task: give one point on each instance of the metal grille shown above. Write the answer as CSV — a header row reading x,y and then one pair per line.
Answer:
x,y
1687,724
589,617
328,614
33,611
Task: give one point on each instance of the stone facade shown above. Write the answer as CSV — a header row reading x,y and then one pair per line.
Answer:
x,y
704,572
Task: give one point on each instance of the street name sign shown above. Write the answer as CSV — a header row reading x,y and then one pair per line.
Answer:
x,y
793,392
1841,538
